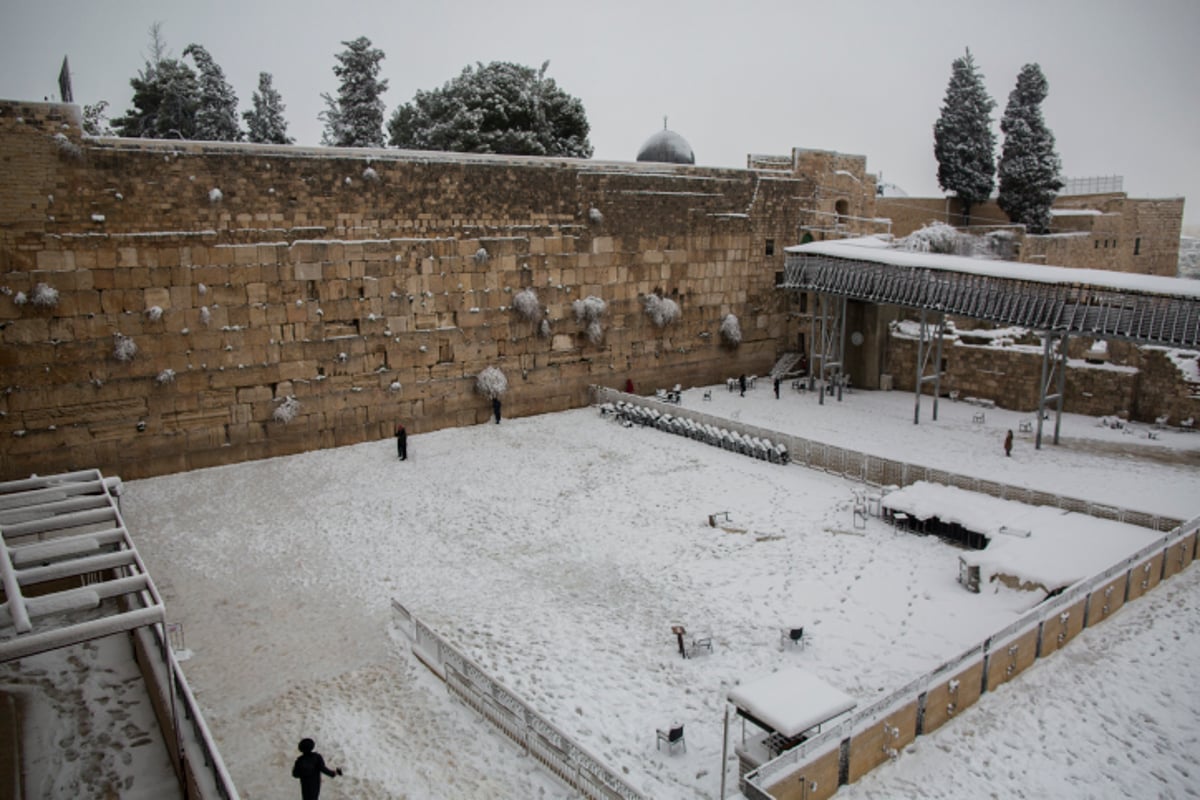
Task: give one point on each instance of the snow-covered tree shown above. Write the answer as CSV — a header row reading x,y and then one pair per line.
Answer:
x,y
498,108
731,330
264,122
216,114
95,120
355,117
1029,167
963,142
491,383
166,96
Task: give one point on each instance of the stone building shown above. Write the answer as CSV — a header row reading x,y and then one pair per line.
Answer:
x,y
170,305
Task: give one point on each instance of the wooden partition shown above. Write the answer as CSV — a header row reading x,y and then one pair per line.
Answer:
x,y
1144,576
1010,659
947,699
885,739
1105,600
1063,627
1179,555
816,780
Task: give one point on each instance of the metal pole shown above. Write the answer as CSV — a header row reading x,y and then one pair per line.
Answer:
x,y
724,752
937,363
1062,385
841,348
1042,389
920,359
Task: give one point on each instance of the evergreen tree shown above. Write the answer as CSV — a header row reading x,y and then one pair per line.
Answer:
x,y
216,114
963,142
1029,167
355,117
265,121
165,97
499,108
95,120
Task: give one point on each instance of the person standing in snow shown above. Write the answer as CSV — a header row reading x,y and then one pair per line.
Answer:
x,y
629,386
742,384
496,408
1008,444
308,769
401,442
776,387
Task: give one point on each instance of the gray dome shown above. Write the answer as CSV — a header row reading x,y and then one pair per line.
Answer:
x,y
667,147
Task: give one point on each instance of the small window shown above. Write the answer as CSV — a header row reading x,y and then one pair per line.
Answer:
x,y
804,303
779,278
445,352
1137,246
1096,244
770,247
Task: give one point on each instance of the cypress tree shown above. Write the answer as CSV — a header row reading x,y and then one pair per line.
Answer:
x,y
355,117
216,112
1029,166
963,142
264,122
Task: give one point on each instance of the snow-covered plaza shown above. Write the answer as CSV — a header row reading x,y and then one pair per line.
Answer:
x,y
558,551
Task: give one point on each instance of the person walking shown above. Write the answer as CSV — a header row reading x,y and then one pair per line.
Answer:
x,y
1008,444
742,384
777,387
496,408
309,768
401,442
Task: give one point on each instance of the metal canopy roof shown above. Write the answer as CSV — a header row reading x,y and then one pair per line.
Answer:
x,y
70,572
1085,308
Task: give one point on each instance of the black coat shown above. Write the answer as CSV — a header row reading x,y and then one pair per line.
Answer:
x,y
308,768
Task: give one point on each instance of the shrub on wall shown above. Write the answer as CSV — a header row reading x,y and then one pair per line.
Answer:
x,y
287,410
525,303
124,348
589,310
662,310
731,330
491,383
46,296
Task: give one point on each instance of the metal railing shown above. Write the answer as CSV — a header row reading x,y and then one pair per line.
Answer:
x,y
878,471
760,779
498,704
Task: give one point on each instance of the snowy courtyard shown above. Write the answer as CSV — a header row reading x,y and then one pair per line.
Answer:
x,y
558,551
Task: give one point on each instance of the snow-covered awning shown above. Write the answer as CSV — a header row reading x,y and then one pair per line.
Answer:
x,y
790,701
69,570
1090,302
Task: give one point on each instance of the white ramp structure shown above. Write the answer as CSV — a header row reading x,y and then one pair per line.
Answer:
x,y
70,572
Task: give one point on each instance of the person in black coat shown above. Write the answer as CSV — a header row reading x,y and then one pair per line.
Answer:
x,y
1008,444
401,442
308,768
742,385
496,408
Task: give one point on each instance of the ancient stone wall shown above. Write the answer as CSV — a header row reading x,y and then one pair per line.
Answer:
x,y
1138,383
1109,231
282,299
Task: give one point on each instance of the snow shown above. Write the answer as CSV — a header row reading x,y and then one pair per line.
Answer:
x,y
557,551
869,250
791,701
1054,548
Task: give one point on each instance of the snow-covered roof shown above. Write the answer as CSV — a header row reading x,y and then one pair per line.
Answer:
x,y
877,250
1040,544
57,529
791,701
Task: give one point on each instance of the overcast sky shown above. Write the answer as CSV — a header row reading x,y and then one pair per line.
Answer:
x,y
733,77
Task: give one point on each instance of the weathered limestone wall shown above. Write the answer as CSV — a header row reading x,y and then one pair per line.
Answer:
x,y
369,286
1109,231
1141,383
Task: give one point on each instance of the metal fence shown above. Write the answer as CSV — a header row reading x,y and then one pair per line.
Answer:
x,y
499,705
759,780
879,471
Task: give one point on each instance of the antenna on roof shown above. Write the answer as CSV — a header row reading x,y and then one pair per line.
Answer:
x,y
664,122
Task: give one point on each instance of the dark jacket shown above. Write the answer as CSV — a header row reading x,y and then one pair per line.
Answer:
x,y
308,768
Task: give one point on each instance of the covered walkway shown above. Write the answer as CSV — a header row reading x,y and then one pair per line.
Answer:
x,y
1058,302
